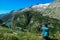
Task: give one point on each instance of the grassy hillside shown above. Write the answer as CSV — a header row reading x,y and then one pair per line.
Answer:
x,y
31,22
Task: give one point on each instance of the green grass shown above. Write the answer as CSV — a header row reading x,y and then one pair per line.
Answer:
x,y
8,34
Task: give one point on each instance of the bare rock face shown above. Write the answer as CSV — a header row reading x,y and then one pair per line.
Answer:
x,y
53,10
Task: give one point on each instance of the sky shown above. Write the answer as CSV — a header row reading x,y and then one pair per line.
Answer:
x,y
8,5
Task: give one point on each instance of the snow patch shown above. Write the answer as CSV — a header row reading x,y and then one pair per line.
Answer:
x,y
41,5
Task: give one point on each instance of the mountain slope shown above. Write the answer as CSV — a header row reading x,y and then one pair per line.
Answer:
x,y
54,10
31,19
48,9
23,17
1,15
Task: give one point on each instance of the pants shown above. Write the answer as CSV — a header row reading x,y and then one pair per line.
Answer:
x,y
46,38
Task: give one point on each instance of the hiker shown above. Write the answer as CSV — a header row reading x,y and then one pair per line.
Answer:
x,y
45,31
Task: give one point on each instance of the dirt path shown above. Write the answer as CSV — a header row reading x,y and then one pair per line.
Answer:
x,y
40,37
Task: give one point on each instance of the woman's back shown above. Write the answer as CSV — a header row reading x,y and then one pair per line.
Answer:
x,y
45,31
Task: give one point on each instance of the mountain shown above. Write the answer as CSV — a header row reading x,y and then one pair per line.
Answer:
x,y
34,16
37,7
30,19
54,9
1,15
48,9
26,15
6,16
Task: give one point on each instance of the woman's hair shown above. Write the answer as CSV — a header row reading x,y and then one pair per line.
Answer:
x,y
46,25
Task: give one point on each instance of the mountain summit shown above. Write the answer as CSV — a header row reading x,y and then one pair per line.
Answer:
x,y
37,7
